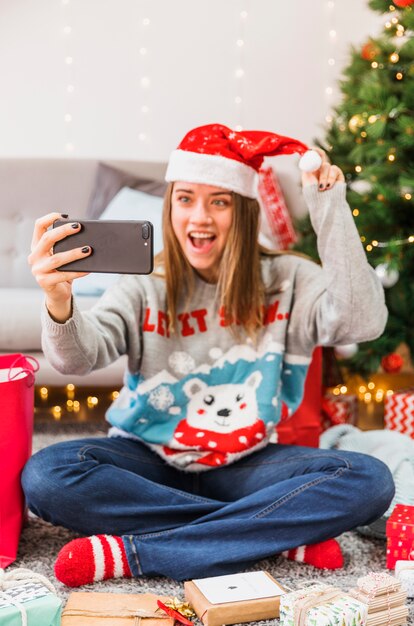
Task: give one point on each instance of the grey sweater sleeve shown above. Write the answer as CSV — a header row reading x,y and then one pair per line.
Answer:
x,y
344,301
93,339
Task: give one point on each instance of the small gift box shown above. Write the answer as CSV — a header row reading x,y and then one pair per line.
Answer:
x,y
404,571
234,598
322,605
384,598
399,412
117,609
24,598
400,534
341,409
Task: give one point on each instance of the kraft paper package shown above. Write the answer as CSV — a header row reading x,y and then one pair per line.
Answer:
x,y
234,598
117,609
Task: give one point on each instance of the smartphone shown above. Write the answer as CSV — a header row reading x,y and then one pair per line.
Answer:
x,y
118,246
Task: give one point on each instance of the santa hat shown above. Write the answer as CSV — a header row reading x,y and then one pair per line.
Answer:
x,y
217,155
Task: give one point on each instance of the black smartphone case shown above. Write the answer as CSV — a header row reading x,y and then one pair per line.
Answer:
x,y
118,247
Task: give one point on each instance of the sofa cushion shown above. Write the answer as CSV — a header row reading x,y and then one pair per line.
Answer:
x,y
20,327
128,204
109,180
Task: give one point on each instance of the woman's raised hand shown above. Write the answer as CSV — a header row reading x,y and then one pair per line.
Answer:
x,y
326,176
57,285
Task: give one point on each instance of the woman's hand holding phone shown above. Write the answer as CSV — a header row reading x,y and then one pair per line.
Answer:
x,y
57,285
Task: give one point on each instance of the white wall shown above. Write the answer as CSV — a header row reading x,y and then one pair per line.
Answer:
x,y
191,60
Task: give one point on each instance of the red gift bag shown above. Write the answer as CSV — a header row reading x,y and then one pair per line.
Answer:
x,y
17,376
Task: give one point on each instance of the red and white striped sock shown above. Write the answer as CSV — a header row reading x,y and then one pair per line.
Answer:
x,y
88,560
324,555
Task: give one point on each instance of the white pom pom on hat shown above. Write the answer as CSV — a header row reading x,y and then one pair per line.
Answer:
x,y
310,161
217,155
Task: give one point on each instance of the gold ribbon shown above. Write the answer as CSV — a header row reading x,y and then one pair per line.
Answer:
x,y
318,597
182,607
138,614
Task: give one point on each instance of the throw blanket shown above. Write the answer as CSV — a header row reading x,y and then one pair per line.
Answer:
x,y
394,449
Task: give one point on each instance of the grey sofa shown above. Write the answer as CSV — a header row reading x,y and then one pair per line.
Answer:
x,y
30,188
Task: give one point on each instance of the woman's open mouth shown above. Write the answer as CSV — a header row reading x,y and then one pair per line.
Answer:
x,y
201,241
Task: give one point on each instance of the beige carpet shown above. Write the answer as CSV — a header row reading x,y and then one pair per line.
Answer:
x,y
41,542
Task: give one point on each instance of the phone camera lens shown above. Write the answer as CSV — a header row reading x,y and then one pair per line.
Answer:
x,y
145,231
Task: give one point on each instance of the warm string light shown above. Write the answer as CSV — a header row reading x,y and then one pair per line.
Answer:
x,y
366,393
70,404
70,391
240,72
57,412
69,62
92,402
145,81
386,244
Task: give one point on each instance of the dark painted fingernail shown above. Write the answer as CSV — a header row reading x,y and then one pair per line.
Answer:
x,y
75,225
85,249
64,215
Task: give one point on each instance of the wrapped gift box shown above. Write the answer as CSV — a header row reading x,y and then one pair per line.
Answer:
x,y
341,409
322,605
400,534
404,571
117,609
384,598
214,599
399,412
398,549
41,607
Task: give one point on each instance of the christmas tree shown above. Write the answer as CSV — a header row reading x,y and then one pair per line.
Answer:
x,y
371,138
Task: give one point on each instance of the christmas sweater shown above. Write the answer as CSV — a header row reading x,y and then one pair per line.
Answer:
x,y
199,397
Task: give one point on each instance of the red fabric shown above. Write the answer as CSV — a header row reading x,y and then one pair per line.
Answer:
x,y
249,146
75,564
274,207
324,555
108,557
221,443
304,426
16,429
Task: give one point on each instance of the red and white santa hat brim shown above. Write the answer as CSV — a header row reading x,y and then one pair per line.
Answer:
x,y
217,155
212,169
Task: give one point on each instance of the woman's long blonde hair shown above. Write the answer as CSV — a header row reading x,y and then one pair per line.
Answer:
x,y
240,287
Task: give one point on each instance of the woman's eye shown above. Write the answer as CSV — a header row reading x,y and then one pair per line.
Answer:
x,y
184,199
220,202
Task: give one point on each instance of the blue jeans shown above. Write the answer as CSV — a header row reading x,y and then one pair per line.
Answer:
x,y
189,525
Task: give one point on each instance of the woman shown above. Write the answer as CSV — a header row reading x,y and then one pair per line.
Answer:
x,y
219,340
